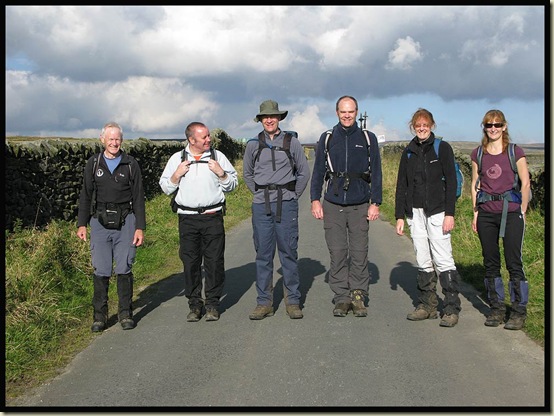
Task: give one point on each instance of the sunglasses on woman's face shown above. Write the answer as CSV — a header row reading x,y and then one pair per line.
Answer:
x,y
496,125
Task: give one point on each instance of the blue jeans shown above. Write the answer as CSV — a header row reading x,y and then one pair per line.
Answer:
x,y
269,234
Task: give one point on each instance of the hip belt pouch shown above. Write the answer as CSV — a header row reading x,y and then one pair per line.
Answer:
x,y
111,215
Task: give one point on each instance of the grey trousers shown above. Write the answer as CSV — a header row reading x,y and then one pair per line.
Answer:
x,y
346,233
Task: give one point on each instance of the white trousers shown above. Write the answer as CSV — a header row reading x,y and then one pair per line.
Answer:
x,y
431,245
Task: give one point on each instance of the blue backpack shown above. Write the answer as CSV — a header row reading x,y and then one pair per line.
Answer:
x,y
459,174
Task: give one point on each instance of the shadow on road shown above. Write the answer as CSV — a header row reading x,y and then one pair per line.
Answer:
x,y
237,282
158,293
404,275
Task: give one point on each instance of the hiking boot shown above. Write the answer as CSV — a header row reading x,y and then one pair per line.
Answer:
x,y
194,315
341,309
127,323
495,318
98,326
422,313
294,312
212,314
261,311
515,322
358,306
449,320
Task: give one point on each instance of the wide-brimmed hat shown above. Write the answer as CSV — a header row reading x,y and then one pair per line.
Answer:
x,y
270,108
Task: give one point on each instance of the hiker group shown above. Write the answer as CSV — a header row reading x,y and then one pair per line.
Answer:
x,y
345,193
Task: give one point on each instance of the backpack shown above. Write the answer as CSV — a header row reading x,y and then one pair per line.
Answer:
x,y
512,156
95,165
513,195
262,144
174,205
184,156
291,186
366,176
459,174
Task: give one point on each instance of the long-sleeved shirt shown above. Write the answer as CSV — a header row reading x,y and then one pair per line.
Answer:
x,y
348,154
260,171
199,187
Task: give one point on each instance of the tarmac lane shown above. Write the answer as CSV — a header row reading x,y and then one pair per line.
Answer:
x,y
381,362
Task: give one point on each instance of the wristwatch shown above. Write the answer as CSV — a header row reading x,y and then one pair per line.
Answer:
x,y
375,203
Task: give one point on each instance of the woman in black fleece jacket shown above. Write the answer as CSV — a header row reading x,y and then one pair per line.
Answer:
x,y
426,196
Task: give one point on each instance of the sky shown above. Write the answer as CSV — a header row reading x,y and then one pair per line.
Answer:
x,y
154,69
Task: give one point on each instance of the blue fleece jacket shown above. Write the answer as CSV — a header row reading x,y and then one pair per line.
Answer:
x,y
348,153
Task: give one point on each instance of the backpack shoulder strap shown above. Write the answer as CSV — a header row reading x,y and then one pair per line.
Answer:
x,y
95,167
261,144
183,155
286,141
261,140
366,134
479,158
479,162
437,144
328,133
213,153
512,157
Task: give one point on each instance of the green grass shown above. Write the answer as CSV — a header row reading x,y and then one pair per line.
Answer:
x,y
49,279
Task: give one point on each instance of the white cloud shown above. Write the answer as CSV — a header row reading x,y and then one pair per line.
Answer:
x,y
163,65
308,124
405,54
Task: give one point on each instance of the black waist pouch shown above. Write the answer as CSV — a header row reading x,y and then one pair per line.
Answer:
x,y
111,215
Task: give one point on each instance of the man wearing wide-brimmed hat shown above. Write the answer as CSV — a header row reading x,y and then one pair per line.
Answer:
x,y
276,171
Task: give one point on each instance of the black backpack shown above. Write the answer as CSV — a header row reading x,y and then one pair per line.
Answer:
x,y
95,165
262,144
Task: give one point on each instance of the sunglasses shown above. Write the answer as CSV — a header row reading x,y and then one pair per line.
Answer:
x,y
496,125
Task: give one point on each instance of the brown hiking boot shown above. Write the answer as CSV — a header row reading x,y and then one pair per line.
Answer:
x,y
294,312
422,313
341,309
495,318
515,322
261,311
194,315
212,314
449,320
358,306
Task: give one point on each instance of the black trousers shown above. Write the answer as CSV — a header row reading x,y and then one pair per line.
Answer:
x,y
488,228
202,242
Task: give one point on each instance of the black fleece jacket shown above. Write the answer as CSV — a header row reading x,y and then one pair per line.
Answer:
x,y
438,174
124,185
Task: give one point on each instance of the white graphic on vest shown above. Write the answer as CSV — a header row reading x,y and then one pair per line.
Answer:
x,y
494,172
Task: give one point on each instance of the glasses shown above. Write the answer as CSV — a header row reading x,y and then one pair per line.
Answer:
x,y
495,125
421,126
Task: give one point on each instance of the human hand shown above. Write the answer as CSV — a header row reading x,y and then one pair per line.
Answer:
x,y
82,232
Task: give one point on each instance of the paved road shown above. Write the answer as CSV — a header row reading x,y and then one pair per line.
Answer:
x,y
375,363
